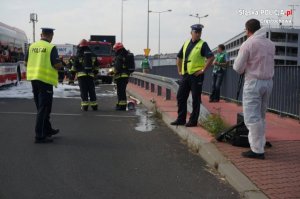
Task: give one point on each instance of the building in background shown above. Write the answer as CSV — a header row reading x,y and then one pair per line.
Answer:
x,y
287,44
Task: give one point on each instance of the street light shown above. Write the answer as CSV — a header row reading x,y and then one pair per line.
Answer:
x,y
122,20
159,12
33,19
197,16
293,11
148,26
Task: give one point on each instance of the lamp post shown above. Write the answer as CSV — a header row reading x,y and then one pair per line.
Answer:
x,y
159,12
33,19
197,16
122,20
148,26
293,13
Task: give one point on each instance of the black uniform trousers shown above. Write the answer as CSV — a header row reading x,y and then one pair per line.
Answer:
x,y
194,84
121,91
87,88
71,76
217,79
43,97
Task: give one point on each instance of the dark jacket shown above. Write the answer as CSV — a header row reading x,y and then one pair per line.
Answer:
x,y
85,62
120,68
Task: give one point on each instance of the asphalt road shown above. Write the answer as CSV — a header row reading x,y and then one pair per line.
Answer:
x,y
99,155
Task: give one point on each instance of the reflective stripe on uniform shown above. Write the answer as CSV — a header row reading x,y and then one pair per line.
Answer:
x,y
122,75
80,74
93,103
121,103
84,103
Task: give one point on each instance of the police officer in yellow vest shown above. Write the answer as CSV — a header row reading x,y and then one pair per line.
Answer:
x,y
86,66
42,64
192,60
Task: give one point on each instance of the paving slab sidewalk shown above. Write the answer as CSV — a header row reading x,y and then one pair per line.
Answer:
x,y
278,176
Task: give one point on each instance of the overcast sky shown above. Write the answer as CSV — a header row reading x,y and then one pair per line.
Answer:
x,y
78,19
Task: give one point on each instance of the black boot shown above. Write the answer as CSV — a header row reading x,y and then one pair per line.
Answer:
x,y
84,108
251,154
121,108
95,107
178,123
52,132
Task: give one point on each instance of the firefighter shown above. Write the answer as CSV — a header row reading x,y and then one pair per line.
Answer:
x,y
86,66
121,75
42,58
61,70
71,70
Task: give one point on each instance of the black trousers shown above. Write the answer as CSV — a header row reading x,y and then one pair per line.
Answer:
x,y
61,76
43,97
87,88
217,79
194,84
71,76
121,90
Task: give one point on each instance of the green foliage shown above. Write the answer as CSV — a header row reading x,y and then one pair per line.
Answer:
x,y
214,124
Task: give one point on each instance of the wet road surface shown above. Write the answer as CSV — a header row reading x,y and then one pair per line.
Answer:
x,y
102,154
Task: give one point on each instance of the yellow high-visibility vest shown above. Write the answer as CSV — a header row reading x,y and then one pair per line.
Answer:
x,y
39,65
195,61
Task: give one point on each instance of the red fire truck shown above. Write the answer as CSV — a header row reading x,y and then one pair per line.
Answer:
x,y
13,43
102,45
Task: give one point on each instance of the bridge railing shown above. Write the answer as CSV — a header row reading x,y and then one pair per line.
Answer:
x,y
285,97
163,86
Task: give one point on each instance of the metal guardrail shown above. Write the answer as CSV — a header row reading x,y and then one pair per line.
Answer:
x,y
156,83
285,97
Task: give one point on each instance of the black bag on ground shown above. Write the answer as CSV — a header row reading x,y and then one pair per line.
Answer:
x,y
129,62
240,137
237,135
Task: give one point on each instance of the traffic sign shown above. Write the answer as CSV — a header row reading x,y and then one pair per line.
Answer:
x,y
147,51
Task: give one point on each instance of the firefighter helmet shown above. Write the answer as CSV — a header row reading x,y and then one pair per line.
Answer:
x,y
118,46
83,43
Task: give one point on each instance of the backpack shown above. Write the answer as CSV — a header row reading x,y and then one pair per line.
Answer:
x,y
129,62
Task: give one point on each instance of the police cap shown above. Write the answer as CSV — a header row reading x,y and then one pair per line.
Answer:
x,y
197,27
47,30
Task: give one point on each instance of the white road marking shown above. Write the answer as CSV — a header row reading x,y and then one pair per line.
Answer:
x,y
68,114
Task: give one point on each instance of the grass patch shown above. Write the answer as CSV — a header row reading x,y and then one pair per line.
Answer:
x,y
214,124
157,114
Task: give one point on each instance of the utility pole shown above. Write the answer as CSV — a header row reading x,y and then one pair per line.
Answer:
x,y
293,13
33,19
159,12
148,26
122,21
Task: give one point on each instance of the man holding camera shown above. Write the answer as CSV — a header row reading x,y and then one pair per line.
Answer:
x,y
256,60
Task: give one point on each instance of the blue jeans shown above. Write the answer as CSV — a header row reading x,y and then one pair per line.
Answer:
x,y
217,79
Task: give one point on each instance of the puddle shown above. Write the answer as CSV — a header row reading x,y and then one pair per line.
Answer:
x,y
146,120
